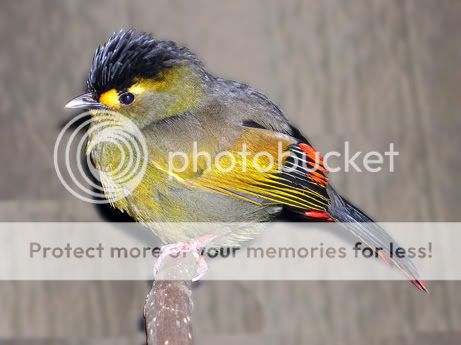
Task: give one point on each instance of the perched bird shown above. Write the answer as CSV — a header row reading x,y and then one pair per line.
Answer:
x,y
168,94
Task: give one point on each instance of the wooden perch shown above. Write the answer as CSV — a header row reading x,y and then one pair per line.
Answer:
x,y
167,312
168,306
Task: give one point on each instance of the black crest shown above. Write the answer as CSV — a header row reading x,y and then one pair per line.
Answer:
x,y
129,54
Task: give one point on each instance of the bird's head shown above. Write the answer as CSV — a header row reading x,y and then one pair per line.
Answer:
x,y
142,78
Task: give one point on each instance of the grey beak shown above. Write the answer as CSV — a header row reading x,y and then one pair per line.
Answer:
x,y
84,101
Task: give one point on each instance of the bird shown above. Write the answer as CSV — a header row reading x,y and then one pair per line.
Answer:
x,y
170,96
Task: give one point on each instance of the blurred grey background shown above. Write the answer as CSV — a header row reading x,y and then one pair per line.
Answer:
x,y
367,71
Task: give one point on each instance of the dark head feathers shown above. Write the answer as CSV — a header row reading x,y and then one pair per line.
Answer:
x,y
129,54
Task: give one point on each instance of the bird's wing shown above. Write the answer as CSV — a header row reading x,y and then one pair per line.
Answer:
x,y
296,179
267,168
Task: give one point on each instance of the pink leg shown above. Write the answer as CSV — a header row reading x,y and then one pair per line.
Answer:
x,y
194,246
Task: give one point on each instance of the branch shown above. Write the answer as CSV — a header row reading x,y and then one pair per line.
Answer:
x,y
168,306
167,312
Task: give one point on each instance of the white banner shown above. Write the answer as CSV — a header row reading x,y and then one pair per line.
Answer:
x,y
281,251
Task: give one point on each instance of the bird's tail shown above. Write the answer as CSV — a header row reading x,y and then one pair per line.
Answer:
x,y
371,234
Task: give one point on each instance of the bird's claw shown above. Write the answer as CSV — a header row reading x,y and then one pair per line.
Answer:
x,y
194,246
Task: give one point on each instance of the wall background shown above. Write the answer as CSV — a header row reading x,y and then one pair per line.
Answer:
x,y
367,71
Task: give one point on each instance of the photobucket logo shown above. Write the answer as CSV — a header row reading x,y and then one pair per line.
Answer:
x,y
102,159
289,160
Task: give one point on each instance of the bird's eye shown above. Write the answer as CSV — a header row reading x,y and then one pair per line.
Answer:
x,y
126,98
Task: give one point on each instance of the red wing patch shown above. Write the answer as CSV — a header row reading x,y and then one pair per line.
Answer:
x,y
317,171
320,215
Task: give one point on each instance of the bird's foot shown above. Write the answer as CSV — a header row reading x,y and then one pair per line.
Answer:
x,y
195,247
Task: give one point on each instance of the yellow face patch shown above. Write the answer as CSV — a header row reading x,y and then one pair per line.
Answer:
x,y
147,85
179,82
110,99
